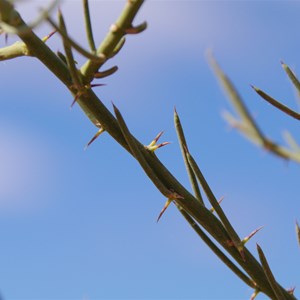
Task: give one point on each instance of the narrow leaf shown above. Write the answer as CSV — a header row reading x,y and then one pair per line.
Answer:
x,y
214,202
235,99
298,232
69,54
183,146
271,279
216,249
291,76
139,156
277,104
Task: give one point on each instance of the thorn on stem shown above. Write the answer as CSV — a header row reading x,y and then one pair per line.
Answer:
x,y
75,99
255,293
153,146
97,84
101,130
291,290
247,238
168,202
82,90
106,72
212,210
47,37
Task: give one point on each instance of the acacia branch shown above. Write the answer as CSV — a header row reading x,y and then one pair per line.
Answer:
x,y
101,116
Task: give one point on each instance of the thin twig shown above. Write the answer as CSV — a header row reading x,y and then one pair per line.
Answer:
x,y
88,25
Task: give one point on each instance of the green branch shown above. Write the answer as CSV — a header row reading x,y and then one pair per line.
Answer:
x,y
112,41
117,128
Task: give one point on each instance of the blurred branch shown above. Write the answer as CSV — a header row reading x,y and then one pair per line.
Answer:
x,y
298,232
15,50
7,15
276,103
76,46
246,125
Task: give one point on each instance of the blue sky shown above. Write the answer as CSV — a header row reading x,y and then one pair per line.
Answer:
x,y
78,224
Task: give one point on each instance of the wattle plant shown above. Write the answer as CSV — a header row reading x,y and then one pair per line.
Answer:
x,y
200,208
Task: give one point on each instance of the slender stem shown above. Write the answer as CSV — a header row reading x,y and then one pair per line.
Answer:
x,y
88,25
68,51
77,47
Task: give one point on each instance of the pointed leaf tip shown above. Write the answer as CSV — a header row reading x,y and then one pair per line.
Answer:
x,y
175,112
114,107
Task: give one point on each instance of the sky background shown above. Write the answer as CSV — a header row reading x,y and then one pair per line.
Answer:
x,y
78,224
